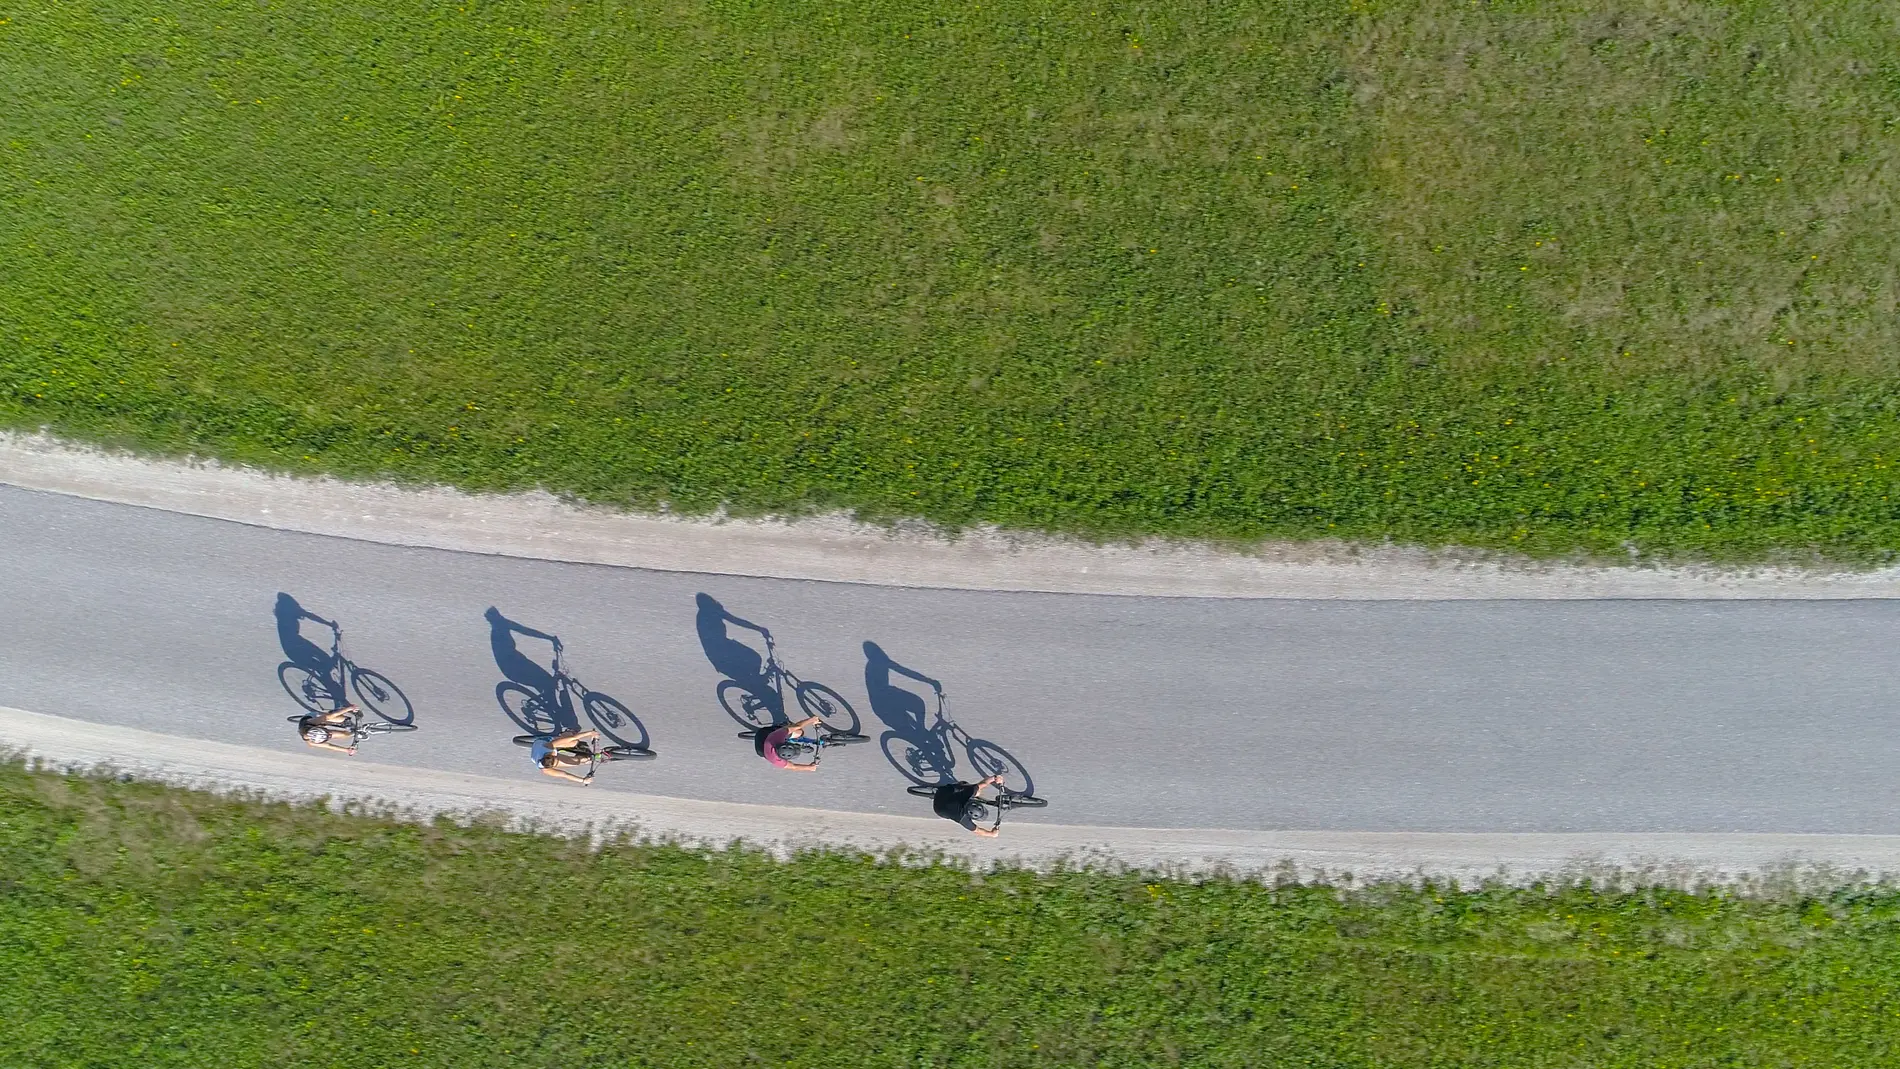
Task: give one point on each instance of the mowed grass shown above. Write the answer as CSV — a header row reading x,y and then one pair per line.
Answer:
x,y
145,926
1561,276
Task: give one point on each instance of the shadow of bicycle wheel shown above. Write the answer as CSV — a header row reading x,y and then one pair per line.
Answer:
x,y
530,710
615,721
377,694
989,759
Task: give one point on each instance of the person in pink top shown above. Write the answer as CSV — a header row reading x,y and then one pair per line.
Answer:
x,y
770,741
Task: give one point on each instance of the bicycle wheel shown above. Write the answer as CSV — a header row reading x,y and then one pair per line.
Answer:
x,y
838,738
307,688
742,705
527,740
923,790
376,693
615,721
627,753
527,708
829,707
1021,801
385,729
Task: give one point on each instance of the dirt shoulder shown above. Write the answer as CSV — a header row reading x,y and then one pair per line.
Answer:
x,y
836,548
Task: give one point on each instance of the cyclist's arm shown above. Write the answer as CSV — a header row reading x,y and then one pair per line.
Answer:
x,y
987,833
565,774
351,750
742,622
562,742
523,629
916,675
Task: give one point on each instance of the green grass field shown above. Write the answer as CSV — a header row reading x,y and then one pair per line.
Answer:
x,y
151,927
1558,276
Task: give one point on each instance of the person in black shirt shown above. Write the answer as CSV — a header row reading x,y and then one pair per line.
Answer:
x,y
957,801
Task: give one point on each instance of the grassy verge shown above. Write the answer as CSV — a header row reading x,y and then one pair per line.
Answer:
x,y
1551,276
141,925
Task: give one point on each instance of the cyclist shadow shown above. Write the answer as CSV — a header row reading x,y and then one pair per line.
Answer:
x,y
924,745
321,680
543,700
747,693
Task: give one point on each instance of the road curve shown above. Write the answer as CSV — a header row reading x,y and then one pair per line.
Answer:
x,y
1590,718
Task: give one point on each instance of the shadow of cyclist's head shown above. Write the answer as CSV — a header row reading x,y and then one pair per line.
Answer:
x,y
729,656
903,711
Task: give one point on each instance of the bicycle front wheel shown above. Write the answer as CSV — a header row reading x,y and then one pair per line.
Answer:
x,y
1021,801
627,753
376,693
385,729
829,707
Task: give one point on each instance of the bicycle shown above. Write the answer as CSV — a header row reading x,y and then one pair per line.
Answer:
x,y
540,714
983,810
596,755
927,758
323,693
757,712
796,749
358,731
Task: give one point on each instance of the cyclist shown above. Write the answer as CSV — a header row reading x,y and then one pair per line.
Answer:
x,y
771,740
318,730
555,754
957,801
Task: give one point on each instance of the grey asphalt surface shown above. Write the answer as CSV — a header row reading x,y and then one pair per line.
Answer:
x,y
1555,716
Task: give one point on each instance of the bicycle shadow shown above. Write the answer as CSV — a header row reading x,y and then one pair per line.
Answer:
x,y
925,745
746,690
541,700
321,680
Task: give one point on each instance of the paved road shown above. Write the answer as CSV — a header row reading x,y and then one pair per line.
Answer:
x,y
1593,716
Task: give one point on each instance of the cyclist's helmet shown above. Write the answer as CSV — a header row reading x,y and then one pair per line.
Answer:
x,y
789,750
316,734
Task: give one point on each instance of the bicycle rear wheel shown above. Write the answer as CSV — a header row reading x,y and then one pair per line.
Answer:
x,y
829,707
922,790
527,740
